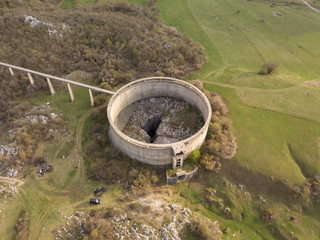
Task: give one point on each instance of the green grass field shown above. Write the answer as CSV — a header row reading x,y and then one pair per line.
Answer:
x,y
275,119
238,43
266,121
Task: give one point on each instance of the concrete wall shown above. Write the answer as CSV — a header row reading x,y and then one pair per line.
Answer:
x,y
156,154
188,176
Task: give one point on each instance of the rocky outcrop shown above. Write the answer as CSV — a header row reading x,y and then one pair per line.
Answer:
x,y
39,123
162,120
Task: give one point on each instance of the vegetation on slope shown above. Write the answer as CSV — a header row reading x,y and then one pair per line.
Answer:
x,y
238,44
275,119
117,42
277,130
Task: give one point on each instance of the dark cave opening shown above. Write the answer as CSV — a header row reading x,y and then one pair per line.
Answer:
x,y
151,127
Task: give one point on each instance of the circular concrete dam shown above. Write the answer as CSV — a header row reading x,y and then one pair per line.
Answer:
x,y
150,153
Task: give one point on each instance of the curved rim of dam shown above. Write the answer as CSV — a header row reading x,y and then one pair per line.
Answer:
x,y
168,79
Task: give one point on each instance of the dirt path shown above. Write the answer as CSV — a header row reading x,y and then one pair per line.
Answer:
x,y
279,90
312,8
215,74
76,154
12,181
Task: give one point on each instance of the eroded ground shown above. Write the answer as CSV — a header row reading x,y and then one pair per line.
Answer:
x,y
161,120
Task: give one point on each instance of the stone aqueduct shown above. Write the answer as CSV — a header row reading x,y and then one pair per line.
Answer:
x,y
154,154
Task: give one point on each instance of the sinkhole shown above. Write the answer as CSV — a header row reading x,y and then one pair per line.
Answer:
x,y
151,128
160,120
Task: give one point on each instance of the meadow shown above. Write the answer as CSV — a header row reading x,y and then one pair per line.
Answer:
x,y
276,118
267,116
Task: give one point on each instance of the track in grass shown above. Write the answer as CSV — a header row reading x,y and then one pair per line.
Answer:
x,y
76,154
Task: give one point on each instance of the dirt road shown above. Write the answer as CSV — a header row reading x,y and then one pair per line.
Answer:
x,y
12,181
76,154
276,90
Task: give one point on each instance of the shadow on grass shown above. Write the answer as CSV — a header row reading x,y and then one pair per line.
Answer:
x,y
261,184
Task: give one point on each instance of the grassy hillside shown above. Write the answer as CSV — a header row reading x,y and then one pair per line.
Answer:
x,y
246,34
275,118
237,42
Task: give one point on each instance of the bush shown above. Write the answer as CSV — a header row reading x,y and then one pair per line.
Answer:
x,y
206,229
220,142
268,216
98,226
21,226
114,41
101,99
194,156
268,68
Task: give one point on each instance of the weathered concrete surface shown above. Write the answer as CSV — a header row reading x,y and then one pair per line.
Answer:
x,y
181,176
11,71
31,79
70,92
157,154
91,98
51,87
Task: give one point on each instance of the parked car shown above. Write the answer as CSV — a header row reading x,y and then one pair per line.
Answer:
x,y
95,201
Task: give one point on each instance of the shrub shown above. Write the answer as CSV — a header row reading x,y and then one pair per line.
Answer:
x,y
220,142
197,83
101,99
268,68
268,216
22,226
115,41
194,156
206,229
98,226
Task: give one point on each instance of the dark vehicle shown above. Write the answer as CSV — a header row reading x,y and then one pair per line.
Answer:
x,y
99,191
95,201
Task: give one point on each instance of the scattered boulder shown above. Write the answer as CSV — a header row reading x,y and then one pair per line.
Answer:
x,y
261,198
